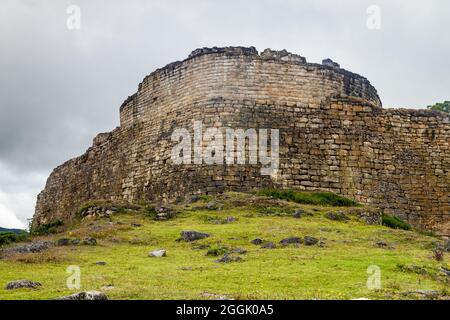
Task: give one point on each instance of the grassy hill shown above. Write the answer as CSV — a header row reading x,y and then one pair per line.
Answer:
x,y
11,230
336,267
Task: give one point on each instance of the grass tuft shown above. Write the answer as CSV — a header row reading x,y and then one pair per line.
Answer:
x,y
395,223
313,198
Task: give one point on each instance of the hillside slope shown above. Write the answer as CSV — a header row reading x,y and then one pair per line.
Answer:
x,y
11,230
335,261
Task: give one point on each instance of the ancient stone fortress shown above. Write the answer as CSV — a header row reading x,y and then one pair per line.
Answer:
x,y
334,135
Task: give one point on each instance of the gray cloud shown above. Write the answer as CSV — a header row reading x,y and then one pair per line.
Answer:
x,y
59,88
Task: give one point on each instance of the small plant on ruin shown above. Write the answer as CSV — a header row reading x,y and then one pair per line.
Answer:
x,y
315,198
395,223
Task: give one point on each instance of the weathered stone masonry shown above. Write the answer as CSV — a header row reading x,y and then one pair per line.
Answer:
x,y
334,135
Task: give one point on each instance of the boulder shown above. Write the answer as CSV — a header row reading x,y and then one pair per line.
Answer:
x,y
227,258
381,244
63,242
257,241
229,220
89,295
268,245
445,271
428,294
370,217
337,216
67,242
213,206
22,284
89,242
164,213
298,213
33,247
194,198
238,251
291,240
157,253
193,235
447,246
310,241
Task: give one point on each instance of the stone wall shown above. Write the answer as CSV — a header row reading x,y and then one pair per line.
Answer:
x,y
334,135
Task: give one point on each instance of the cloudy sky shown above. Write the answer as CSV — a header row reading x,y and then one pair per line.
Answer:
x,y
59,87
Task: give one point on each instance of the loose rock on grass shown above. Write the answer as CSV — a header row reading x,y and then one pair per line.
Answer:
x,y
268,245
227,258
291,240
158,253
310,241
337,216
257,241
89,295
298,213
89,242
37,246
22,284
238,251
193,235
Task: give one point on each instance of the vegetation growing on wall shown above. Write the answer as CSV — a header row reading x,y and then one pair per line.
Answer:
x,y
444,107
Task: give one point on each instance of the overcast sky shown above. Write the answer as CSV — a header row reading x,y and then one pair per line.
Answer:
x,y
60,87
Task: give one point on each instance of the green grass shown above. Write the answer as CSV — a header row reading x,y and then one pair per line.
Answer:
x,y
48,228
315,198
336,271
395,223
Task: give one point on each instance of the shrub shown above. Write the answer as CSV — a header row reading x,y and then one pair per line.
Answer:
x,y
9,237
315,198
395,223
48,228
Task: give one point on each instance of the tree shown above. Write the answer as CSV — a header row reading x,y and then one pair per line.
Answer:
x,y
444,106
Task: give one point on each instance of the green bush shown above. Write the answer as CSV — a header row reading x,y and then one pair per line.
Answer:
x,y
444,106
9,237
314,198
395,223
48,228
